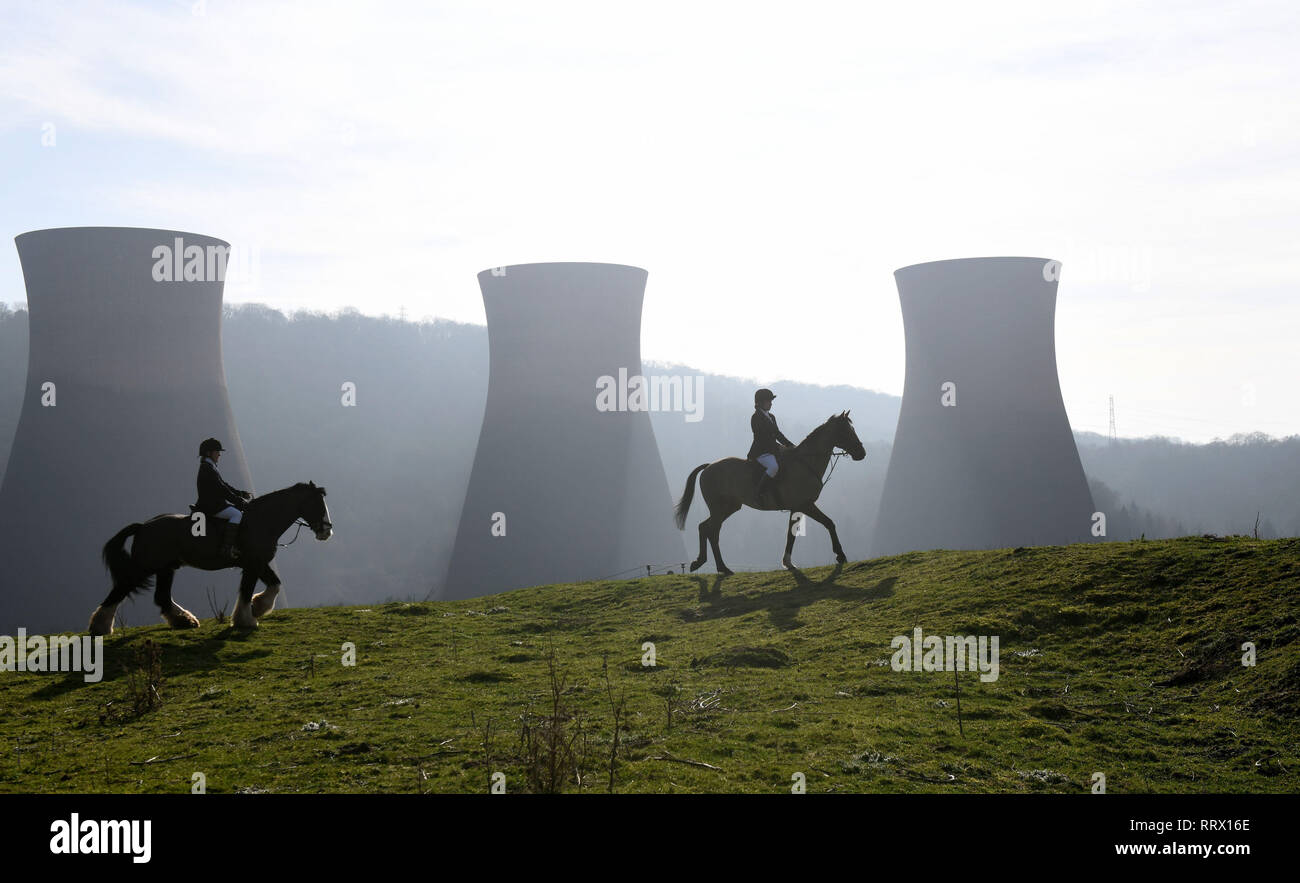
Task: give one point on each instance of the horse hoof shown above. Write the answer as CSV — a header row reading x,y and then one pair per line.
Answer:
x,y
242,618
180,618
842,558
726,571
695,565
262,606
101,622
785,562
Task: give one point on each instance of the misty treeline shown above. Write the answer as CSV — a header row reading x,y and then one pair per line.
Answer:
x,y
397,464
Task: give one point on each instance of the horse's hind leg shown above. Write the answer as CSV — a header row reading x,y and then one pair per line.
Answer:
x,y
264,601
715,532
242,616
101,621
704,538
174,614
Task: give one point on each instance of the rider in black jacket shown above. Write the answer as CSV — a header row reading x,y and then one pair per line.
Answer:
x,y
768,440
218,499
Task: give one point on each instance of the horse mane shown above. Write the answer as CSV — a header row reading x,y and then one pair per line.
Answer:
x,y
810,436
300,486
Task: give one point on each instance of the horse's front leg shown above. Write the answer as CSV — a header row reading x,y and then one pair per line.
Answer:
x,y
174,614
824,520
264,601
789,539
242,616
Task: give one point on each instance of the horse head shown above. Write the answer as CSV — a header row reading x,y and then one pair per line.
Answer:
x,y
312,509
845,437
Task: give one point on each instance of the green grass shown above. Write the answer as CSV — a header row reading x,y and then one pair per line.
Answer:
x,y
1121,658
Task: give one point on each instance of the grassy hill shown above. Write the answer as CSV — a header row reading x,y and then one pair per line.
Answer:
x,y
1120,658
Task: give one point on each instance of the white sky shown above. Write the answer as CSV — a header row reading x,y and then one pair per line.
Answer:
x,y
769,164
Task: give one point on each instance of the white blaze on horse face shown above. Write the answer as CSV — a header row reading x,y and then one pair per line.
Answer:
x,y
327,524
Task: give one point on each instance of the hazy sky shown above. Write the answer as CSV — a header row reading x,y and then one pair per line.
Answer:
x,y
770,165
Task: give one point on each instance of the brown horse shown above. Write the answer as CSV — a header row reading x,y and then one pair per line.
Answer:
x,y
731,482
167,542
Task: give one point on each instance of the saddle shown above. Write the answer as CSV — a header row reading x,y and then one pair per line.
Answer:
x,y
216,537
194,509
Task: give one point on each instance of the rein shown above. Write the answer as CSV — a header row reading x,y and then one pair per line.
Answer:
x,y
301,524
834,455
298,521
835,459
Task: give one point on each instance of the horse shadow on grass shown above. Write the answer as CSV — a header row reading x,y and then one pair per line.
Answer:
x,y
208,651
783,608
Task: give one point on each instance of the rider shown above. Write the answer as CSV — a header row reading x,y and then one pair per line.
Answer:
x,y
218,499
768,439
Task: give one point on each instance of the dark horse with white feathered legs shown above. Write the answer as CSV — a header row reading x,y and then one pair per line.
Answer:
x,y
167,542
729,483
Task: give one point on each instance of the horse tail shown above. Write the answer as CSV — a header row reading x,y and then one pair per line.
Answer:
x,y
684,504
124,571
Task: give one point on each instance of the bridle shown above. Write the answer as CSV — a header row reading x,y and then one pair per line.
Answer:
x,y
325,525
835,459
301,524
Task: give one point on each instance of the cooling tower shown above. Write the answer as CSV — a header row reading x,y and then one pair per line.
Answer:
x,y
560,490
988,461
124,379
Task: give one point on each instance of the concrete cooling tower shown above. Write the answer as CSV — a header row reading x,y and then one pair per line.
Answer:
x,y
124,379
983,455
561,489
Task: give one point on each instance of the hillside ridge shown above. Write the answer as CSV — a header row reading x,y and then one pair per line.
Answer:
x,y
1122,659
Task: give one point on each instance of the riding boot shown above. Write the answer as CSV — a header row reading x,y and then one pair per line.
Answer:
x,y
767,491
228,538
